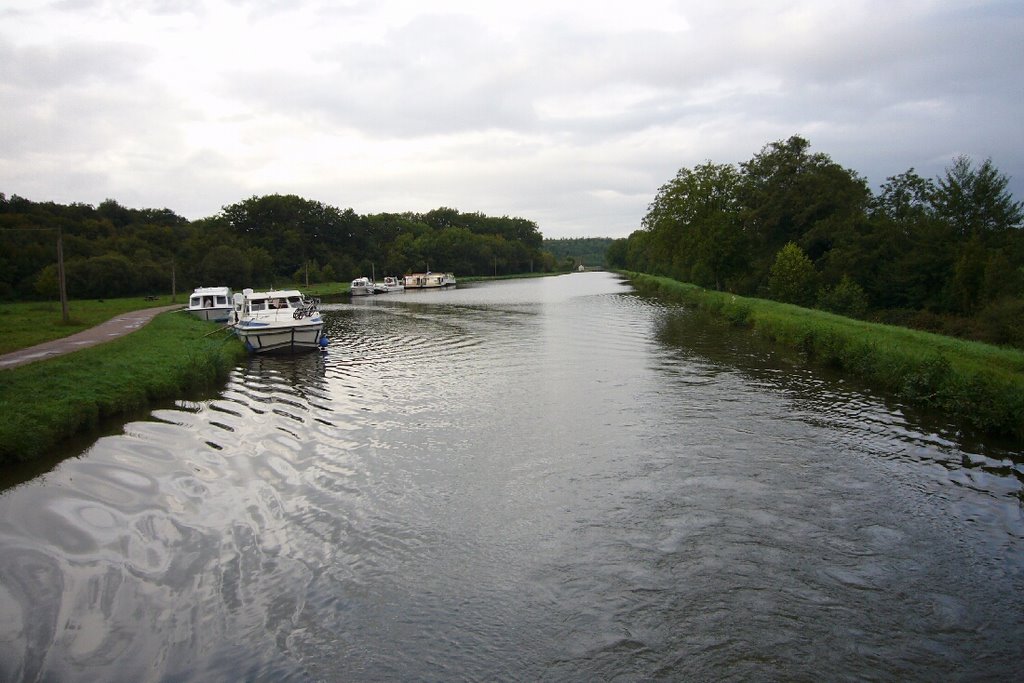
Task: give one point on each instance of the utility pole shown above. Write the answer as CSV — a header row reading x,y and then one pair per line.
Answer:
x,y
174,286
60,276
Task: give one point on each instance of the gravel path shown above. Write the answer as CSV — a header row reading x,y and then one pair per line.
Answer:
x,y
115,327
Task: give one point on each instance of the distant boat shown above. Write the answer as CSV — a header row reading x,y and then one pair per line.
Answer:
x,y
390,284
211,303
429,280
361,286
278,321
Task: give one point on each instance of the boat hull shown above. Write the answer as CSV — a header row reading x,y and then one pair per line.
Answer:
x,y
214,315
260,338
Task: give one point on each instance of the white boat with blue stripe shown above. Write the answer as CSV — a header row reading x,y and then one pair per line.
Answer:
x,y
282,321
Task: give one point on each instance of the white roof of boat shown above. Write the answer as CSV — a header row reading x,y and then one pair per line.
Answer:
x,y
211,290
274,293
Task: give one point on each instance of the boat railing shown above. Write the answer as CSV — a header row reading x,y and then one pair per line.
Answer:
x,y
307,309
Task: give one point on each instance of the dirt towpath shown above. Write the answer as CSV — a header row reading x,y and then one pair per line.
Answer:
x,y
117,326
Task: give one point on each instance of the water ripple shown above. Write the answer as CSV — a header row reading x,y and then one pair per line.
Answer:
x,y
519,481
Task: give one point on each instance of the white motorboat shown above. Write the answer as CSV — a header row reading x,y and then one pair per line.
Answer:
x,y
211,303
429,280
361,286
390,284
279,320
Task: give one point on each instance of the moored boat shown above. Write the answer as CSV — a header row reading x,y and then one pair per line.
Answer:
x,y
278,321
429,280
361,286
390,284
210,303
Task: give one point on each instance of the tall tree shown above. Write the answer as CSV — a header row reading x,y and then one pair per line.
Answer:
x,y
976,200
786,192
906,199
693,224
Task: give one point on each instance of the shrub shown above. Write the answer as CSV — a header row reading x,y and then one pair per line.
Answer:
x,y
847,298
1002,322
792,278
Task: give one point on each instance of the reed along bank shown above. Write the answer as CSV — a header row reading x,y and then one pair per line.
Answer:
x,y
978,385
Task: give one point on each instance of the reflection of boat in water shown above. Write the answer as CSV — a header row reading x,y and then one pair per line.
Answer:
x,y
361,286
280,320
210,303
429,280
390,284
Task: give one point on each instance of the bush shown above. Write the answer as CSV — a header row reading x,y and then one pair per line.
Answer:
x,y
847,298
792,278
1002,322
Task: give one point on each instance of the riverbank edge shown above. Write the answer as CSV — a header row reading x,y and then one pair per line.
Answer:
x,y
46,402
977,385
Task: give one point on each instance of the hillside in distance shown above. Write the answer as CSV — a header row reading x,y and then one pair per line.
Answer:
x,y
573,252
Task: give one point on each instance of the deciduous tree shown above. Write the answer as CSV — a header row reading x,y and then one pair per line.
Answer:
x,y
792,278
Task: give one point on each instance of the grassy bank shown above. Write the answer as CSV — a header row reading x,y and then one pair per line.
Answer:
x,y
46,402
29,323
979,385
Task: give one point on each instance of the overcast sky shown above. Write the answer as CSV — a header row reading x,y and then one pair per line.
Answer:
x,y
568,113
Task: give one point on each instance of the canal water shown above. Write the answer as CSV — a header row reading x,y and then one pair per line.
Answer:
x,y
542,480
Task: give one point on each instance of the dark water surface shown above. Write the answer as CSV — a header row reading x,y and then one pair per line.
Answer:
x,y
549,479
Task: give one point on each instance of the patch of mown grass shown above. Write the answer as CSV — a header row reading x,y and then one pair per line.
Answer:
x,y
28,323
45,402
980,385
515,276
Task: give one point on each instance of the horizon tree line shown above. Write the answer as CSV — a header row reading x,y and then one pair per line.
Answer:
x,y
111,251
943,254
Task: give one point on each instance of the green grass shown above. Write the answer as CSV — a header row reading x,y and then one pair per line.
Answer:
x,y
979,385
519,276
318,289
24,324
45,402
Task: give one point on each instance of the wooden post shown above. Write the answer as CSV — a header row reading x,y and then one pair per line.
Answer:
x,y
60,276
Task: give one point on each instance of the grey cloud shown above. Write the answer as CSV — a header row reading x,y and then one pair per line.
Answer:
x,y
434,76
564,124
74,65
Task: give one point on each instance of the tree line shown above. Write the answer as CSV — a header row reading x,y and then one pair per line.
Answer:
x,y
943,254
112,251
573,252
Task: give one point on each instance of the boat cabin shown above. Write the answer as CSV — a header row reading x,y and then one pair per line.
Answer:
x,y
248,302
210,297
